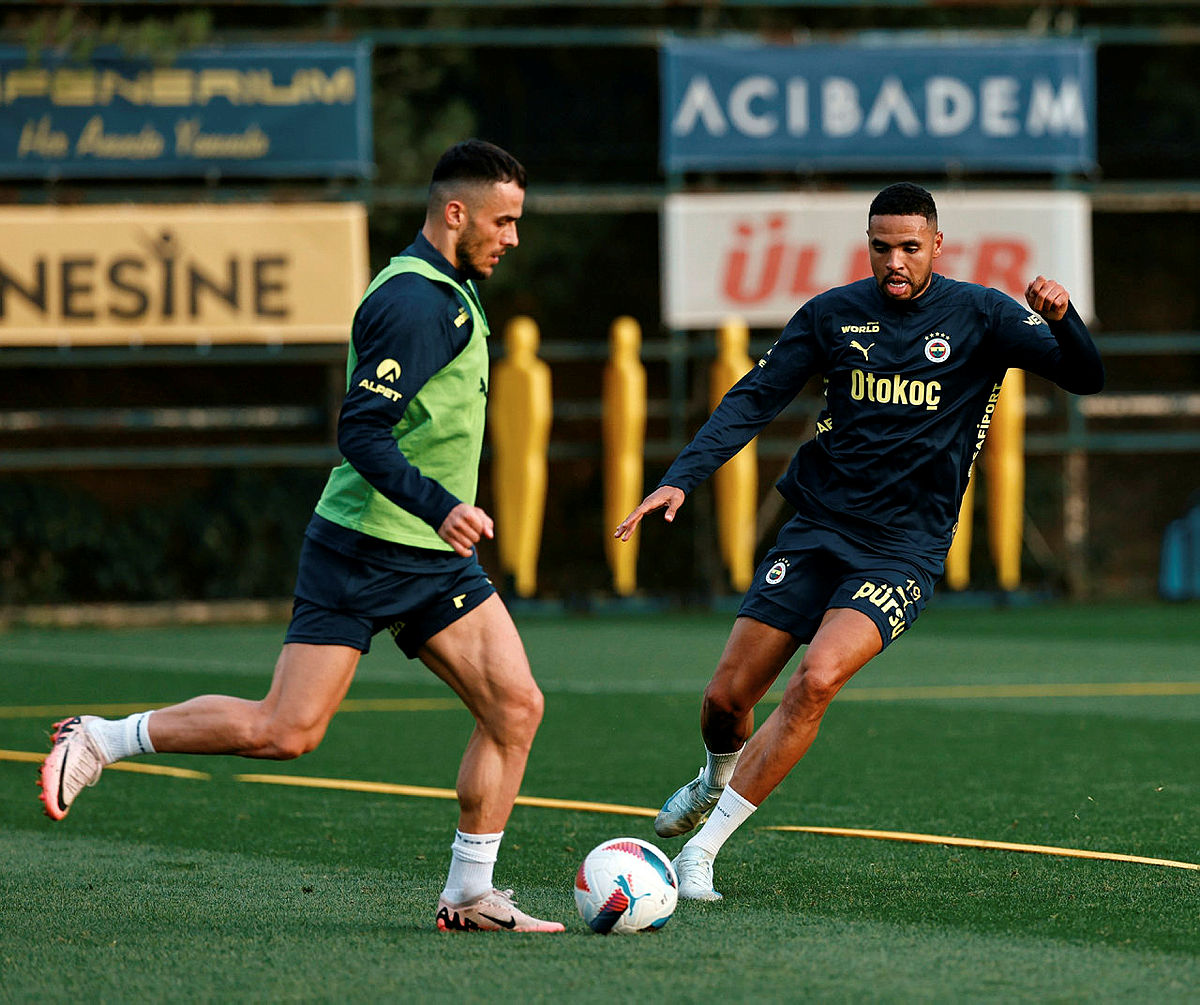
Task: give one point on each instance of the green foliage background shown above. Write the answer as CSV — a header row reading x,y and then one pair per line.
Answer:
x,y
584,118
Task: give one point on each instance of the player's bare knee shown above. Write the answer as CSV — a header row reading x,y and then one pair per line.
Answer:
x,y
293,743
278,740
811,690
514,717
251,732
529,709
723,703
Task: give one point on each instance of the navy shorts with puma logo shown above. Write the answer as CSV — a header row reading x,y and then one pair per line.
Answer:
x,y
347,599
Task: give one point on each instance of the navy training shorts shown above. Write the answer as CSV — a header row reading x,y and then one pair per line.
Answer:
x,y
812,568
346,600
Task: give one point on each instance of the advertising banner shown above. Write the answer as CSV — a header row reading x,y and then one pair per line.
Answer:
x,y
110,275
1004,106
760,256
246,111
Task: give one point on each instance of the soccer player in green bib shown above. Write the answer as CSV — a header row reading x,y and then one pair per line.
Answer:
x,y
390,546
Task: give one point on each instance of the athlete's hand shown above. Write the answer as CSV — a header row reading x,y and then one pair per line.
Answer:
x,y
464,526
1048,298
665,495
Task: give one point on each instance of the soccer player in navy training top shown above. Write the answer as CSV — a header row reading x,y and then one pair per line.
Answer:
x,y
912,363
391,545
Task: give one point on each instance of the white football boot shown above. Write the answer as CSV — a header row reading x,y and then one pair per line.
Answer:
x,y
694,867
493,912
687,807
74,762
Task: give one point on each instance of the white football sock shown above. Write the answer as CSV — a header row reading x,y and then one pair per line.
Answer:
x,y
719,768
472,859
118,738
727,816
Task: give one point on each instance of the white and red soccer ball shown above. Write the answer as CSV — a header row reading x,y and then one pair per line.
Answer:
x,y
626,885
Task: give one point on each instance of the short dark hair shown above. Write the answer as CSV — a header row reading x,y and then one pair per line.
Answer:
x,y
473,162
904,199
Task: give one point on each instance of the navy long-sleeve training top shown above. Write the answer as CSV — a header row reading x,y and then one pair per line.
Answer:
x,y
910,389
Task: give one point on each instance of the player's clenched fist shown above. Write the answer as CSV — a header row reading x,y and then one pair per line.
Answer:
x,y
665,495
464,526
1048,298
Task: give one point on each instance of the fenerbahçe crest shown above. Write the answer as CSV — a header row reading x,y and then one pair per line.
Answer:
x,y
776,573
937,347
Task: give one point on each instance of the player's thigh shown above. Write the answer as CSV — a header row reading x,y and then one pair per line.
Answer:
x,y
754,656
309,683
844,643
891,596
482,658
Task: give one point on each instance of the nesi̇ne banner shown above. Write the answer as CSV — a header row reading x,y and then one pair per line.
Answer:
x,y
108,275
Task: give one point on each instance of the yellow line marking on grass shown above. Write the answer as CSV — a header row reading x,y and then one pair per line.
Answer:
x,y
349,785
1111,690
128,708
389,788
426,792
915,692
571,804
958,842
136,767
401,705
55,711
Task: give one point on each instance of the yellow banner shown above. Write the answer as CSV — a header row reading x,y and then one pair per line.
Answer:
x,y
104,275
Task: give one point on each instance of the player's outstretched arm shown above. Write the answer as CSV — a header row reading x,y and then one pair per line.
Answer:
x,y
464,526
1077,366
1048,298
664,496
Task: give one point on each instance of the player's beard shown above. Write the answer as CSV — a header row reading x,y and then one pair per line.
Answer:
x,y
469,250
916,291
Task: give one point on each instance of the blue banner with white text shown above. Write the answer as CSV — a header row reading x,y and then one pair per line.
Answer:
x,y
296,111
1027,107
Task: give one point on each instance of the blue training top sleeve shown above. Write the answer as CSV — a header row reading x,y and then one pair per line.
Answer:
x,y
751,403
406,322
1061,351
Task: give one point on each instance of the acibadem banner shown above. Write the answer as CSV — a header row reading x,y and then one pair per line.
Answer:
x,y
112,275
1000,106
241,111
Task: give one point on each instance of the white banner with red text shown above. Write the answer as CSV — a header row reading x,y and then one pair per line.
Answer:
x,y
760,256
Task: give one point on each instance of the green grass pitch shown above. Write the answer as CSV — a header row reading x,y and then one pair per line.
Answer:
x,y
1070,727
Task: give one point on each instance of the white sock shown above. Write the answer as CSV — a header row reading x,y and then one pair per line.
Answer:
x,y
472,859
727,816
118,738
719,768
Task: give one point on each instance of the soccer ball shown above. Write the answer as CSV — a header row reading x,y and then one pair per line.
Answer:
x,y
626,885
